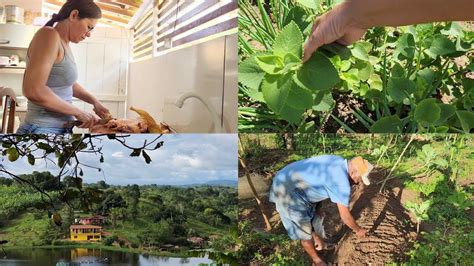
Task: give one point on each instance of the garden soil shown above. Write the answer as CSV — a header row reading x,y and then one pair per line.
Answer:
x,y
390,229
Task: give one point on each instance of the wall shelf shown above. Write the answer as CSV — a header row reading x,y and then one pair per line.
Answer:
x,y
12,70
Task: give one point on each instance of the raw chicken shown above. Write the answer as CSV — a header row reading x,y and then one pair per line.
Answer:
x,y
143,124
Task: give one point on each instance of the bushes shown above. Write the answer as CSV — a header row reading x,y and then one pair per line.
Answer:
x,y
109,241
59,242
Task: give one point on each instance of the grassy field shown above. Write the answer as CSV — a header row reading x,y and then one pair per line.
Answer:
x,y
25,230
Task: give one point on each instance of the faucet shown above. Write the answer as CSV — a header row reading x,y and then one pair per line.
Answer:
x,y
217,121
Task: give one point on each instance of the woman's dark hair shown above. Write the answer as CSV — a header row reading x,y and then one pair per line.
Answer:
x,y
86,8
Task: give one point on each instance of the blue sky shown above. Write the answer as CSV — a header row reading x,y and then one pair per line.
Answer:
x,y
183,159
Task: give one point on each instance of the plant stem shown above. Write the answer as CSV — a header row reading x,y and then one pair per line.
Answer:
x,y
396,163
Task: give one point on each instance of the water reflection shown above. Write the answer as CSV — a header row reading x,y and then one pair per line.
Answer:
x,y
92,257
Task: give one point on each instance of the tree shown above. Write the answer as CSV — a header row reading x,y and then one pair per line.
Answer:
x,y
5,181
63,150
102,185
70,181
117,215
112,200
133,195
43,180
162,233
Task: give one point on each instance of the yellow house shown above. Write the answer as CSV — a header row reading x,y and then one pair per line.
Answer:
x,y
85,232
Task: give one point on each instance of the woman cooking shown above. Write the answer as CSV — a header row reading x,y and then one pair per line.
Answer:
x,y
50,76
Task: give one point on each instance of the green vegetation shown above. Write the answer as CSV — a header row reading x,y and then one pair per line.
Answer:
x,y
392,81
150,218
435,170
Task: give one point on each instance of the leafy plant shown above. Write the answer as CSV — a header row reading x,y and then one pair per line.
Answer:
x,y
420,211
397,77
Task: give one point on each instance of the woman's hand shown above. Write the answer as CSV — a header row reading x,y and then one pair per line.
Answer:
x,y
347,22
101,110
333,26
88,120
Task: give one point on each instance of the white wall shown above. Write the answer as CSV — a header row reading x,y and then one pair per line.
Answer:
x,y
205,69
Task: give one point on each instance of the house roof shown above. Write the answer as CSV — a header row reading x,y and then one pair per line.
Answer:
x,y
81,226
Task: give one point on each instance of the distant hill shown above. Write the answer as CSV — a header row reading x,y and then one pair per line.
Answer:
x,y
215,183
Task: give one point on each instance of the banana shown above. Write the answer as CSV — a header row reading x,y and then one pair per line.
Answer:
x,y
153,127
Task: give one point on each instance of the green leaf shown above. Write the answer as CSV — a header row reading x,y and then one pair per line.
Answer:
x,y
135,153
388,124
454,30
271,64
31,159
289,40
285,98
291,63
366,45
441,45
365,70
442,129
6,145
359,51
345,65
428,75
397,71
309,127
299,16
467,120
318,73
45,147
313,4
12,154
61,160
470,67
250,73
427,111
399,88
146,156
405,47
254,94
336,49
375,82
447,111
324,102
291,59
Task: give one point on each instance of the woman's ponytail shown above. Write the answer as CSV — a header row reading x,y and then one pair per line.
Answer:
x,y
55,18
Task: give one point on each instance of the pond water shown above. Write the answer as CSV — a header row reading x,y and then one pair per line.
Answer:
x,y
89,256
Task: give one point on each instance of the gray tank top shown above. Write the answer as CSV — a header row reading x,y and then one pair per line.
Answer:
x,y
61,78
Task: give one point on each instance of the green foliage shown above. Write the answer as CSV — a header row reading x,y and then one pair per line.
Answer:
x,y
419,210
267,248
15,200
398,75
109,241
450,241
444,248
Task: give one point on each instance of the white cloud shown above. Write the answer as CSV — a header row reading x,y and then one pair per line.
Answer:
x,y
180,160
117,154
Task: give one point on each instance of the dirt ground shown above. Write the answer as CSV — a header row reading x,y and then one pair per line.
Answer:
x,y
390,229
